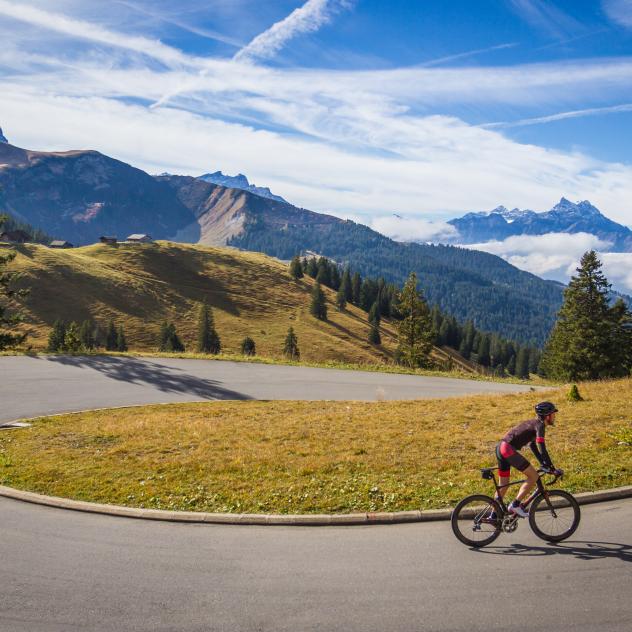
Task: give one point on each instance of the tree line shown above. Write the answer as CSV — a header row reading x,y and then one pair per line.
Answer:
x,y
381,299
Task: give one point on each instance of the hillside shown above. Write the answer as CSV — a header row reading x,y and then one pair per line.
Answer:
x,y
82,195
140,286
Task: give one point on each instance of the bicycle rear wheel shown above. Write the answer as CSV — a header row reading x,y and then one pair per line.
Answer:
x,y
556,519
472,521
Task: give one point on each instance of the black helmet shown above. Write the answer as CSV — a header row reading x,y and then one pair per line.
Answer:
x,y
545,408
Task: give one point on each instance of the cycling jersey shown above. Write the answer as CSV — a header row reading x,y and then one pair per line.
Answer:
x,y
528,432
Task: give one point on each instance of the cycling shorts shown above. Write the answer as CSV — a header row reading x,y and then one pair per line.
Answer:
x,y
508,457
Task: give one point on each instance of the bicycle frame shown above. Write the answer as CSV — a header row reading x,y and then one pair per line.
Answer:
x,y
539,489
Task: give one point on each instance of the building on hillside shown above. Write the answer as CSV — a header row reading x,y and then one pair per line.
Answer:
x,y
139,239
59,243
108,240
14,237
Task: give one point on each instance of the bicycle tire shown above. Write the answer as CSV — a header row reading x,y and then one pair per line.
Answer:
x,y
467,517
554,527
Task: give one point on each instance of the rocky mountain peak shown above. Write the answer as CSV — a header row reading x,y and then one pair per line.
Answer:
x,y
3,138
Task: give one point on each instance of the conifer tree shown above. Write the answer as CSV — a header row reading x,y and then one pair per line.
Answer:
x,y
345,285
522,364
296,269
311,269
341,301
334,276
86,335
57,337
375,317
208,339
121,342
163,336
290,349
318,307
374,334
581,344
72,341
324,273
415,328
111,337
484,350
9,318
248,346
356,286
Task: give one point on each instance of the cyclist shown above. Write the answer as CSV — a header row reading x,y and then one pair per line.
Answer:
x,y
507,453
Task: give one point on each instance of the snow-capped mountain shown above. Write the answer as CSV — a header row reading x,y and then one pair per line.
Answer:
x,y
564,217
239,181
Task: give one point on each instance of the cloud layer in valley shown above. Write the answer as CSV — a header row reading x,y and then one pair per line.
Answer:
x,y
556,256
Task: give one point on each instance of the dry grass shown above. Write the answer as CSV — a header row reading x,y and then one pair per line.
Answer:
x,y
302,457
140,286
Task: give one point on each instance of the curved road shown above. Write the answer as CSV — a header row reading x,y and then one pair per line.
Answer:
x,y
65,571
43,385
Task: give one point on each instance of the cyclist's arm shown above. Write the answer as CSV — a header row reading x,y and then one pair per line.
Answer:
x,y
538,448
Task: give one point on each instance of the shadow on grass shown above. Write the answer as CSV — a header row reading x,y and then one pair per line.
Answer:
x,y
580,550
163,378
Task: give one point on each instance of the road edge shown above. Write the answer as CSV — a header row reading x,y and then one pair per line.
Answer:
x,y
355,519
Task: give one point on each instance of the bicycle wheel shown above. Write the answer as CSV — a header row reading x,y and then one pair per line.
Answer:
x,y
472,522
556,519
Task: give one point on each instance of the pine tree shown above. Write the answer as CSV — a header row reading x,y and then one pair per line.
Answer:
x,y
57,337
208,340
356,286
111,338
484,350
522,364
72,341
318,307
296,269
341,301
374,334
415,328
290,349
580,346
86,335
248,346
345,285
163,336
10,318
621,346
375,317
312,268
324,273
121,342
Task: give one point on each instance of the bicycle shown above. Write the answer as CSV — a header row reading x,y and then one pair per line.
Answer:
x,y
478,520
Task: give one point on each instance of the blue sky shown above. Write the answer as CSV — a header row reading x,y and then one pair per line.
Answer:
x,y
360,108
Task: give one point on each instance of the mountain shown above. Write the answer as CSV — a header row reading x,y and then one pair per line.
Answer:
x,y
239,182
564,217
3,138
81,195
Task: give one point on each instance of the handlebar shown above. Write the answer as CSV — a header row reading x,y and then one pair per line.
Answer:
x,y
556,474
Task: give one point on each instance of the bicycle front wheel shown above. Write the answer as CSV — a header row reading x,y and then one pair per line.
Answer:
x,y
554,516
476,520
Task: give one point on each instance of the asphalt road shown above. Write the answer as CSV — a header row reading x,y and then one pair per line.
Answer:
x,y
42,385
65,571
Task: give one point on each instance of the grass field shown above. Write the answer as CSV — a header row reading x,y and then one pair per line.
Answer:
x,y
311,457
140,286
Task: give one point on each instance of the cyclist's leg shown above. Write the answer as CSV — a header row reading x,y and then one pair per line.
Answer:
x,y
532,478
503,472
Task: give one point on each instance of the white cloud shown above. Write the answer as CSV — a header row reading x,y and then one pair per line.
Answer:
x,y
349,143
413,228
619,11
617,267
306,19
557,255
560,116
